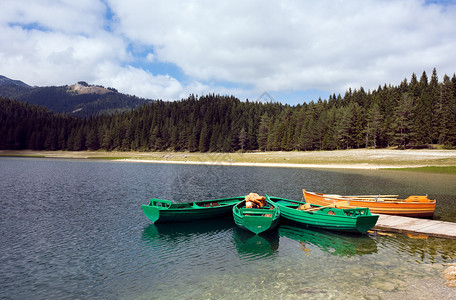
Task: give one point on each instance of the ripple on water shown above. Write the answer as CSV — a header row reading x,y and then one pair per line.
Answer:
x,y
422,250
74,229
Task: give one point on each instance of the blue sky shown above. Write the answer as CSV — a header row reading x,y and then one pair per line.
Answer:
x,y
295,51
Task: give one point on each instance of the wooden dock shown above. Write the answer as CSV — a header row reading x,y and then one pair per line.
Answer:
x,y
416,226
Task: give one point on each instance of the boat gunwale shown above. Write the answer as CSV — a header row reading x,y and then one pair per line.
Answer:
x,y
241,214
191,205
258,211
361,199
321,219
188,211
323,208
399,208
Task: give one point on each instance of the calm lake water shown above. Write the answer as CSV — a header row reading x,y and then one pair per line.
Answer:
x,y
73,229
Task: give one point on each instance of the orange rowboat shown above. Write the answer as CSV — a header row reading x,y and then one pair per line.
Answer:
x,y
413,206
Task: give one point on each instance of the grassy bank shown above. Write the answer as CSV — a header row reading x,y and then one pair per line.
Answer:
x,y
441,170
433,161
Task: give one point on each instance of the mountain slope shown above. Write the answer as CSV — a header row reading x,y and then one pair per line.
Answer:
x,y
80,99
10,87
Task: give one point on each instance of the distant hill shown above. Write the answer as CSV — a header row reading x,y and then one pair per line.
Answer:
x,y
11,88
80,99
6,81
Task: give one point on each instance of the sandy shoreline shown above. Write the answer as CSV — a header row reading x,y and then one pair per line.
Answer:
x,y
340,159
274,165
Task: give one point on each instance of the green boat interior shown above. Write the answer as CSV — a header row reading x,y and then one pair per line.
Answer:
x,y
263,212
187,205
266,211
328,210
210,204
160,203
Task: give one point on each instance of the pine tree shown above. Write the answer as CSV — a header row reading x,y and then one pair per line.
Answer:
x,y
422,111
92,139
404,121
414,113
193,138
204,139
242,138
330,141
434,94
447,113
374,124
344,128
263,132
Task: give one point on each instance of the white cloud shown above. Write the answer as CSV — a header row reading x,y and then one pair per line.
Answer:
x,y
46,58
138,82
82,16
292,44
150,57
255,46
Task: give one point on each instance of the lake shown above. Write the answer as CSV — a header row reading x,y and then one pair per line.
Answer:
x,y
74,229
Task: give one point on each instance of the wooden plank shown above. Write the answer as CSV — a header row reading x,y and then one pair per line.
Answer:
x,y
360,196
416,225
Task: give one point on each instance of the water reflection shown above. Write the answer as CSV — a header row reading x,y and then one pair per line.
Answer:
x,y
420,249
335,244
175,231
74,229
253,246
188,247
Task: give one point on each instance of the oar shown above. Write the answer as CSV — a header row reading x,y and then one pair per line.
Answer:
x,y
342,204
373,196
334,205
338,203
361,197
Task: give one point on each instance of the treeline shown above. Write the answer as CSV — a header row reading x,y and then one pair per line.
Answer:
x,y
416,113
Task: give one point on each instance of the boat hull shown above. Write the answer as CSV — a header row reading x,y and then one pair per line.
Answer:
x,y
256,220
354,220
398,208
160,211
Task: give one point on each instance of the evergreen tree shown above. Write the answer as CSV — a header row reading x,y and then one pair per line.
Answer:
x,y
434,94
447,113
374,125
204,140
404,121
422,112
415,113
242,138
92,139
263,132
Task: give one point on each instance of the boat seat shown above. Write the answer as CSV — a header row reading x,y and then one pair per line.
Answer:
x,y
209,204
287,203
417,199
304,206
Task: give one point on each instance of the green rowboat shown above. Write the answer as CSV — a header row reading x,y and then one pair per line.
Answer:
x,y
159,210
256,220
355,220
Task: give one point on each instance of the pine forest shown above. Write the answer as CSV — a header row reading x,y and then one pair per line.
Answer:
x,y
415,114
